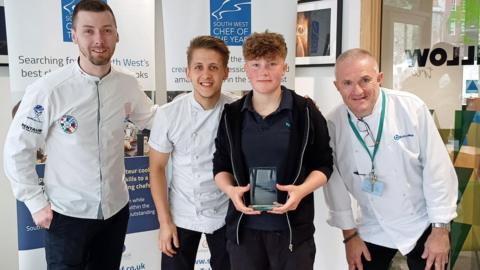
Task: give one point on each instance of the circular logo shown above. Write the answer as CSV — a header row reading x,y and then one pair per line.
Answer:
x,y
69,124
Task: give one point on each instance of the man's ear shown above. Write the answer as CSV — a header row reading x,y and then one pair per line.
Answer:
x,y
336,85
380,77
74,36
187,73
226,73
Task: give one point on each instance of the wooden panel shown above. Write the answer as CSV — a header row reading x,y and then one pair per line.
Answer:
x,y
370,26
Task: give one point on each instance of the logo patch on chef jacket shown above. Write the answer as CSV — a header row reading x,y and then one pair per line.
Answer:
x,y
68,124
33,122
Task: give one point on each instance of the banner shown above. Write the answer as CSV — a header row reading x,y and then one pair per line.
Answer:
x,y
39,39
231,21
140,250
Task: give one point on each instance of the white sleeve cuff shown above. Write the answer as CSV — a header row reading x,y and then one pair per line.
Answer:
x,y
36,203
442,214
341,219
160,148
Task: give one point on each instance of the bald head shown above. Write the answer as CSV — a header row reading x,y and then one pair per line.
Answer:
x,y
358,81
356,54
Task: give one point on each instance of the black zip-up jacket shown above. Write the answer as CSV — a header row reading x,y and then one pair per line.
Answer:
x,y
308,150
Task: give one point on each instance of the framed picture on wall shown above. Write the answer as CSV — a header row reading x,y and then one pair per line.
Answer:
x,y
319,32
3,37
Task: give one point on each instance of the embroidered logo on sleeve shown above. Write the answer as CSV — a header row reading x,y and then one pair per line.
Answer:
x,y
34,121
68,124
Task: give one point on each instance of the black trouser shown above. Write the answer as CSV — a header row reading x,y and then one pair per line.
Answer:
x,y
382,256
187,253
263,250
77,243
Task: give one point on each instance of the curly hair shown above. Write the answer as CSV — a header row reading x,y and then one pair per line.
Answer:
x,y
264,45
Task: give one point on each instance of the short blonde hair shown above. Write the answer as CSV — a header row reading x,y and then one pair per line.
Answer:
x,y
209,43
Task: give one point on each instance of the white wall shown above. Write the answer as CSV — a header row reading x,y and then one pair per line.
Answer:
x,y
160,76
317,82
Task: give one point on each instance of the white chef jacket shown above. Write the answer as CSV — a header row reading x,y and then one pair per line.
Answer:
x,y
80,119
187,131
420,183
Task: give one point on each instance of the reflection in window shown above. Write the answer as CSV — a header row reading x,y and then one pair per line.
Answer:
x,y
406,37
431,48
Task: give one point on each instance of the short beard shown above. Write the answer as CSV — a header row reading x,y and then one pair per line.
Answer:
x,y
99,62
96,61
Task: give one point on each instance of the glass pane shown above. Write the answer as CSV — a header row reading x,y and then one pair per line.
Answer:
x,y
431,48
406,36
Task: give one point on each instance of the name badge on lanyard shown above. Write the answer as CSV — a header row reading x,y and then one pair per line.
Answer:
x,y
371,184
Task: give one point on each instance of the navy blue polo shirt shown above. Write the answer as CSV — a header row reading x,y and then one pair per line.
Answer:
x,y
265,144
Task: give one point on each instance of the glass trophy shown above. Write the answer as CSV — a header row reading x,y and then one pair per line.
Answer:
x,y
263,192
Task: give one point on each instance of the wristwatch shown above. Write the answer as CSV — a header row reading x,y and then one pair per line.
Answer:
x,y
441,225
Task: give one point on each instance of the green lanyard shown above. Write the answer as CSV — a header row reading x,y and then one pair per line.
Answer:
x,y
379,133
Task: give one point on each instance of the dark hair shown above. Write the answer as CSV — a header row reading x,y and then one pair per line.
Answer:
x,y
91,5
264,45
210,43
15,108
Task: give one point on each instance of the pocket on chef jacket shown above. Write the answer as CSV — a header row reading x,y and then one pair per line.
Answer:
x,y
399,187
405,144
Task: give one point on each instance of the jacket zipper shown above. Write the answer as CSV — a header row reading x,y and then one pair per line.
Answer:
x,y
290,246
234,174
100,214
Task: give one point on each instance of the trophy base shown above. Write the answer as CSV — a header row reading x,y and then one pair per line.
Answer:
x,y
262,207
